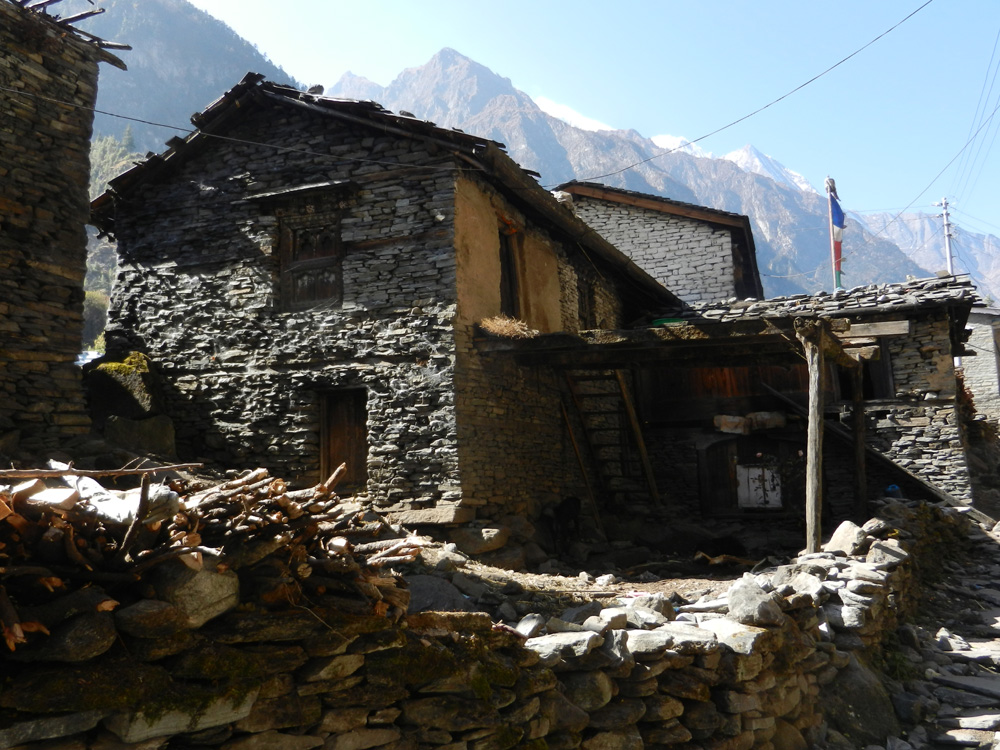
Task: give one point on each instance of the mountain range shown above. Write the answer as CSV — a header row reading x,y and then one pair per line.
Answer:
x,y
173,73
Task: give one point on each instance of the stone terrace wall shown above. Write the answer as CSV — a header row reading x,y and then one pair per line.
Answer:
x,y
691,259
198,290
745,671
44,176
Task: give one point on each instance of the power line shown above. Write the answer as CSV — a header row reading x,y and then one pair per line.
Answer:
x,y
976,218
966,167
759,109
986,122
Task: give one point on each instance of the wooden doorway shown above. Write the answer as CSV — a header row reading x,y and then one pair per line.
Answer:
x,y
344,437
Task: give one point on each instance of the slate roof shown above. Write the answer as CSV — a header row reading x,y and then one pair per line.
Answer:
x,y
942,291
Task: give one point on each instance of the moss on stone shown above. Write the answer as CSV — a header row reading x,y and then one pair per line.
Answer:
x,y
135,364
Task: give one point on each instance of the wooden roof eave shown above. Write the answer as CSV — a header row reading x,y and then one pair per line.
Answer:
x,y
664,205
710,344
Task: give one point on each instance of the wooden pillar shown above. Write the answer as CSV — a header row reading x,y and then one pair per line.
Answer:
x,y
810,333
860,475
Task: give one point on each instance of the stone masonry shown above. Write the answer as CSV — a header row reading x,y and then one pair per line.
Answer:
x,y
693,260
982,372
198,291
45,129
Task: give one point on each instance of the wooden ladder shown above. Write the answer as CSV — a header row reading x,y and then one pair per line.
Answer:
x,y
613,434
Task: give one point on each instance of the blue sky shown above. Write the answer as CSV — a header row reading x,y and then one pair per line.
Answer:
x,y
884,124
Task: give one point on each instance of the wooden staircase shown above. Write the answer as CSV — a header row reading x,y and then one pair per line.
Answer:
x,y
613,435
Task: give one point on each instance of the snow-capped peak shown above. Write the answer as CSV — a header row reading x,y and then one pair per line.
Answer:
x,y
750,159
680,143
569,115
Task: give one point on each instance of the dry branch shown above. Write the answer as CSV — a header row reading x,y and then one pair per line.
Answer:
x,y
93,473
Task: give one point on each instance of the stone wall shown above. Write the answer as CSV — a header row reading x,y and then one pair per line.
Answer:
x,y
44,207
748,670
982,372
690,258
920,429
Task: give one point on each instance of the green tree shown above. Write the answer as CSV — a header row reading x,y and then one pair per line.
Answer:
x,y
109,157
95,317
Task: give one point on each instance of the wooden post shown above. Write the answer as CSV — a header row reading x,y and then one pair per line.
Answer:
x,y
860,476
810,333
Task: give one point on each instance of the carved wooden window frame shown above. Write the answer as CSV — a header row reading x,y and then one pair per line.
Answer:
x,y
312,260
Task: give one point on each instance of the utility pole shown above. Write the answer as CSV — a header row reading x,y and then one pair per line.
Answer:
x,y
947,235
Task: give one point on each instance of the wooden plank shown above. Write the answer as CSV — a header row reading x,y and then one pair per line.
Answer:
x,y
647,467
881,328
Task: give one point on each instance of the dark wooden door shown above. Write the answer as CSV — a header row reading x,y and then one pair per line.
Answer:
x,y
344,437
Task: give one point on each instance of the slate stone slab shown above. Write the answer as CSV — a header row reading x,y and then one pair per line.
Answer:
x,y
49,728
981,685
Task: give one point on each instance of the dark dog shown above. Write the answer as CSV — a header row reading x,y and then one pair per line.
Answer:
x,y
563,523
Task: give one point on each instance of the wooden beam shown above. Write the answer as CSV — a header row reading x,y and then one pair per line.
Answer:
x,y
687,211
81,16
881,328
811,334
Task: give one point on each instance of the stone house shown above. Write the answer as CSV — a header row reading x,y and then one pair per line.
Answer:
x,y
309,277
48,71
701,254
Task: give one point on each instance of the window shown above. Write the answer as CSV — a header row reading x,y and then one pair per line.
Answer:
x,y
876,378
586,294
312,257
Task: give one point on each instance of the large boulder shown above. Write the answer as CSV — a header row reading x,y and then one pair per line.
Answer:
x,y
858,706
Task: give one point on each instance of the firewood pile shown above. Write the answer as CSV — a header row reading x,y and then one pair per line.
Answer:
x,y
68,544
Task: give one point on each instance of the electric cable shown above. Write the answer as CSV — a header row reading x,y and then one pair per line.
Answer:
x,y
759,109
982,91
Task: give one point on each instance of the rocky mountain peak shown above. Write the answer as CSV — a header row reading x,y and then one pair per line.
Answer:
x,y
449,89
351,86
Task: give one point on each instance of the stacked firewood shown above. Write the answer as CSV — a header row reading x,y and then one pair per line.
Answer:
x,y
287,546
